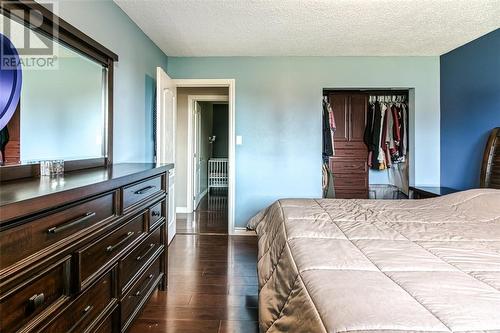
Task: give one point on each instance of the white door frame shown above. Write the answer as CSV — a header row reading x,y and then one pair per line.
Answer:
x,y
191,144
230,84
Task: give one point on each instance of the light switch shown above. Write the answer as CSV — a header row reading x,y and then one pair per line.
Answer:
x,y
239,140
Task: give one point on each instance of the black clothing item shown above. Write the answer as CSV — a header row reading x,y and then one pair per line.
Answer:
x,y
402,127
4,140
367,136
327,135
375,139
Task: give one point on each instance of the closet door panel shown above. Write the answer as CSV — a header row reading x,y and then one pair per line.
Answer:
x,y
350,194
340,105
351,181
357,117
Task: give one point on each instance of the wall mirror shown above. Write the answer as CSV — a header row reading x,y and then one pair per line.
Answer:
x,y
63,107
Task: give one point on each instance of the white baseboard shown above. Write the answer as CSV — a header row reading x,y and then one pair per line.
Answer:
x,y
182,210
238,231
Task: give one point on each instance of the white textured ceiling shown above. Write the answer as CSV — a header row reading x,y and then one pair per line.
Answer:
x,y
312,27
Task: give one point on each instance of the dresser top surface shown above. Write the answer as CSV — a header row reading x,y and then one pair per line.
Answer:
x,y
26,189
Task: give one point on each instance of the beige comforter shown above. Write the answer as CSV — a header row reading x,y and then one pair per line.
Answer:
x,y
428,265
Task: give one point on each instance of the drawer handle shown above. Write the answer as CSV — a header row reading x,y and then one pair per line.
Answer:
x,y
151,246
35,301
86,312
144,190
139,292
69,224
156,213
111,248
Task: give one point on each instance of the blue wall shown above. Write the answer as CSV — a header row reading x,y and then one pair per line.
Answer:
x,y
278,113
470,108
135,71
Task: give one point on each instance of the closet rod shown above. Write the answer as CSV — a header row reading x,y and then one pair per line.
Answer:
x,y
380,92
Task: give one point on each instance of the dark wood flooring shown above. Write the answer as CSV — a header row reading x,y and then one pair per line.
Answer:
x,y
210,217
212,283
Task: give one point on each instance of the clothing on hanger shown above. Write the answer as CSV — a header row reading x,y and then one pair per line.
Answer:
x,y
386,131
331,120
327,134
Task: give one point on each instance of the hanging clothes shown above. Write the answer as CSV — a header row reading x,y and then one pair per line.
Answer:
x,y
386,133
372,135
329,128
328,182
327,134
381,144
331,120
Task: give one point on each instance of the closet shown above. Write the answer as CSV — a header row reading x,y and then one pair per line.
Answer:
x,y
363,130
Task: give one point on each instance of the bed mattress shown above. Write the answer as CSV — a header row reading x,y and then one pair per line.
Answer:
x,y
429,265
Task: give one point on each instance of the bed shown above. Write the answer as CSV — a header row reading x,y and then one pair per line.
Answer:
x,y
430,265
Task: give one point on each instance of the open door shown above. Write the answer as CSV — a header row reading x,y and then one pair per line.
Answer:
x,y
165,137
197,155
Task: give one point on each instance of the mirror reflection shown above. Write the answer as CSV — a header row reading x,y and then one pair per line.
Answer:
x,y
61,110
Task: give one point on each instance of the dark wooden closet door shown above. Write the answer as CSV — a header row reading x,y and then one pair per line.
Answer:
x,y
357,121
340,105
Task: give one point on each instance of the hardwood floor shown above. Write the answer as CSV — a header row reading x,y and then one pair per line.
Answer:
x,y
212,286
210,217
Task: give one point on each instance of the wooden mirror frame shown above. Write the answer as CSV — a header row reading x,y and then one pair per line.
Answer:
x,y
490,167
75,39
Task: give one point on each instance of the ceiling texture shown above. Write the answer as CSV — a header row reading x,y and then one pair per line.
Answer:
x,y
312,27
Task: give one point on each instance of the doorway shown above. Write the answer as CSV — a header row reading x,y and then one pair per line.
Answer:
x,y
169,135
209,167
203,196
208,146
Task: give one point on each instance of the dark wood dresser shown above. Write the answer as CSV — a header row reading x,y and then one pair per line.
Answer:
x,y
349,161
82,252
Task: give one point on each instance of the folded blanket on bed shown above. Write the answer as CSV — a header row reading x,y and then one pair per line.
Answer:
x,y
428,265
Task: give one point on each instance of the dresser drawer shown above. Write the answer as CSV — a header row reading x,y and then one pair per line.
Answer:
x,y
350,145
36,297
359,154
133,263
95,257
140,191
351,181
106,325
348,166
156,214
49,231
86,309
138,294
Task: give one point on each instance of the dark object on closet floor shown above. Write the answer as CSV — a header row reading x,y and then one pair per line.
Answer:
x,y
490,169
83,251
349,161
424,192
